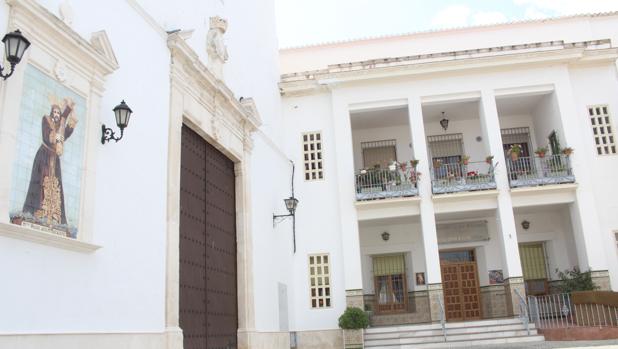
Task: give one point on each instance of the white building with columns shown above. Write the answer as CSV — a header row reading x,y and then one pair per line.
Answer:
x,y
464,166
412,157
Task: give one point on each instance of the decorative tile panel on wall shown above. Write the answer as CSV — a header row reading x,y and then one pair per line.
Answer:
x,y
47,168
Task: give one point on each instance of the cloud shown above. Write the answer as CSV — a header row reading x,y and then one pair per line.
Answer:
x,y
452,16
569,7
493,17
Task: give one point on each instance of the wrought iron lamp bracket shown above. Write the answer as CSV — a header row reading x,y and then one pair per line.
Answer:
x,y
107,134
6,76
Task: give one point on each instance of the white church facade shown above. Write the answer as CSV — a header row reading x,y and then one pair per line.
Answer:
x,y
439,176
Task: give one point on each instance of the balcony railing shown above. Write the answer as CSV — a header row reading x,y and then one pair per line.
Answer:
x,y
396,181
532,171
459,177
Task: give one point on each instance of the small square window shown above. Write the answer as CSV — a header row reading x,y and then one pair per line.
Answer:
x,y
312,155
319,281
602,130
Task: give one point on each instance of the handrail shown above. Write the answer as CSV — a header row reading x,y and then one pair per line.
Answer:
x,y
442,318
523,311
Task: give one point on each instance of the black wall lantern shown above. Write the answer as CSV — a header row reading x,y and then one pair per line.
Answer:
x,y
444,122
290,204
525,224
15,45
386,236
122,112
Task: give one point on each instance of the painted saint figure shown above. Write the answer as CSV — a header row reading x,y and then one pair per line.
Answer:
x,y
45,198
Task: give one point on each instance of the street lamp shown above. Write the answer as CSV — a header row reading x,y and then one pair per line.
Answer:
x,y
444,122
290,204
15,45
122,112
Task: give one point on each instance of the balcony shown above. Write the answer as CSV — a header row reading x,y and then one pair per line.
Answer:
x,y
398,180
535,170
463,176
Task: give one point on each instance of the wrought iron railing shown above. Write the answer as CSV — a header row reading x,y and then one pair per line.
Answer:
x,y
535,170
458,177
523,311
398,180
559,311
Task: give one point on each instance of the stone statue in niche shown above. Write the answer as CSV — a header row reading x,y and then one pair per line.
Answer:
x,y
215,46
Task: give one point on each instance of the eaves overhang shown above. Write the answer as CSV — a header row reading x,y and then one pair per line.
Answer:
x,y
496,57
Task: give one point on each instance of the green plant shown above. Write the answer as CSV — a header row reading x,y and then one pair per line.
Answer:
x,y
567,151
541,151
414,163
515,149
572,280
353,319
489,159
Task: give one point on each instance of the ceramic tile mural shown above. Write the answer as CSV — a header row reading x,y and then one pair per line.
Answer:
x,y
47,169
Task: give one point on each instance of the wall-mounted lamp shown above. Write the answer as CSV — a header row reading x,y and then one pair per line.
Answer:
x,y
386,236
15,45
444,122
122,112
290,204
525,224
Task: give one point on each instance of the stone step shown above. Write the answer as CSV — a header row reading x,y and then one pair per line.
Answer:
x,y
462,344
437,326
450,331
467,337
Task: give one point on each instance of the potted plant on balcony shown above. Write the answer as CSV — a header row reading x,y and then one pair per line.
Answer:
x,y
414,163
489,159
515,151
437,163
353,321
393,166
465,159
541,151
567,151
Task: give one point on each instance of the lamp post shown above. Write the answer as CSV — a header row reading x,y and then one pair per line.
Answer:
x,y
122,112
15,45
290,204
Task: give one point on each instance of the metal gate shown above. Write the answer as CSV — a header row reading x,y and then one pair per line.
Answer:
x,y
208,297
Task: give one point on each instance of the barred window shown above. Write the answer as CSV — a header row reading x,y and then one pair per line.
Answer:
x,y
312,156
379,153
603,130
319,280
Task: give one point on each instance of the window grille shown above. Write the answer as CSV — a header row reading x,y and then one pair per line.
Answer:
x,y
445,146
312,156
379,153
319,279
517,135
603,130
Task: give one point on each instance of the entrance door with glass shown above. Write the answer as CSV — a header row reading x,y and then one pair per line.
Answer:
x,y
391,294
460,285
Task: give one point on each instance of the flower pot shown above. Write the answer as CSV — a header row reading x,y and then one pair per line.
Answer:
x,y
514,156
541,155
466,162
353,339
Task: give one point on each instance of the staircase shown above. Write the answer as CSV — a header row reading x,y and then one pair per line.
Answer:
x,y
458,334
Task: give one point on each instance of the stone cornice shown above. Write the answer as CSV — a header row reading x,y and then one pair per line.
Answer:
x,y
244,111
536,53
43,28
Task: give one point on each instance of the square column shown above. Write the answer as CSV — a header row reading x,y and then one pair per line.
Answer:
x,y
428,219
350,243
507,233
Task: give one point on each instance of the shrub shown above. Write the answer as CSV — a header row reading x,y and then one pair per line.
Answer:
x,y
575,280
353,319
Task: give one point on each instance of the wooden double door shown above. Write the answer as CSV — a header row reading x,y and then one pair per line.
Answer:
x,y
208,297
462,300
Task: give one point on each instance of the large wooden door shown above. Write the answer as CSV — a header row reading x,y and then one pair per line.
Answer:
x,y
208,297
460,285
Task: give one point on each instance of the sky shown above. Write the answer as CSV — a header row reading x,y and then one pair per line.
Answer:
x,y
306,22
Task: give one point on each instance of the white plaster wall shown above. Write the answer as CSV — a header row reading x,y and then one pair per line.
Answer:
x,y
553,227
317,218
121,287
593,86
569,30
